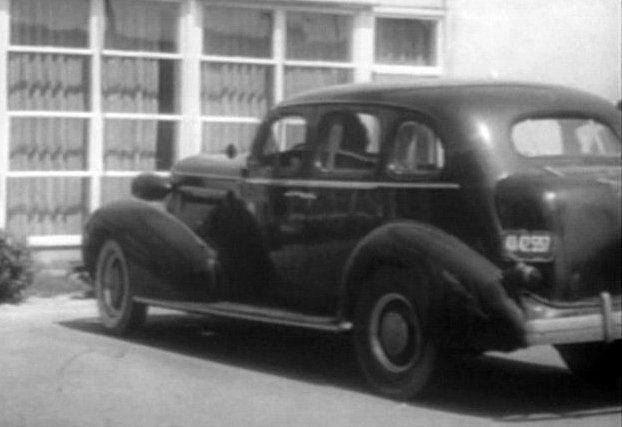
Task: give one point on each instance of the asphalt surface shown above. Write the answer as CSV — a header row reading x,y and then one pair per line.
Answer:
x,y
59,368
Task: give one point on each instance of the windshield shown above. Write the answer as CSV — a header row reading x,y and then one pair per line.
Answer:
x,y
566,137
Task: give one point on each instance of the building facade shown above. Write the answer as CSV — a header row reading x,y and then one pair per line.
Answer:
x,y
94,91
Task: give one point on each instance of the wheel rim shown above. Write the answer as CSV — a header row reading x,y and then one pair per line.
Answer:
x,y
394,333
113,282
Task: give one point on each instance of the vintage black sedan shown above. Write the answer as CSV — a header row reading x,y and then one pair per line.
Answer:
x,y
416,219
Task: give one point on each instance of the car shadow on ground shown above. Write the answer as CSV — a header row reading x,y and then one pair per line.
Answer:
x,y
483,386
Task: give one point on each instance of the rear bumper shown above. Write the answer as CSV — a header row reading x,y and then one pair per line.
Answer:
x,y
590,322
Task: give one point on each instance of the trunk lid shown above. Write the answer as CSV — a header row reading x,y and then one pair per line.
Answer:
x,y
580,207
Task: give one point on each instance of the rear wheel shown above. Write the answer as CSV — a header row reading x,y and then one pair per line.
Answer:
x,y
391,342
117,310
595,361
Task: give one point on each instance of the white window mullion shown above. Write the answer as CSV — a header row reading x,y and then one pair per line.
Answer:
x,y
141,54
191,46
230,119
363,46
424,71
278,52
51,50
4,118
142,116
54,241
237,60
96,135
440,46
60,114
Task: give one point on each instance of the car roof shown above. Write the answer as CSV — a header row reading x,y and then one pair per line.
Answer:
x,y
450,96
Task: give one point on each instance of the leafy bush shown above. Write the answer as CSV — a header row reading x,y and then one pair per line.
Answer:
x,y
16,268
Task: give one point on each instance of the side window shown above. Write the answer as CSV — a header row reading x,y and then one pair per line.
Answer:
x,y
417,150
284,147
348,141
595,139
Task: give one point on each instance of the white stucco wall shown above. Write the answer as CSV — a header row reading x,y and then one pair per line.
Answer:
x,y
572,42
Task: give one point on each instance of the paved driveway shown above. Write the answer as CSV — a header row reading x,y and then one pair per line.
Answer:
x,y
57,368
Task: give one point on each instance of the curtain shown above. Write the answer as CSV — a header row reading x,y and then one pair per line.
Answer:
x,y
236,89
237,32
115,188
141,25
48,144
139,145
140,85
50,23
318,36
42,81
43,206
299,79
405,41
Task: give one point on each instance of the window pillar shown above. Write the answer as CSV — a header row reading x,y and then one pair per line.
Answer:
x,y
191,42
96,137
278,50
363,46
4,117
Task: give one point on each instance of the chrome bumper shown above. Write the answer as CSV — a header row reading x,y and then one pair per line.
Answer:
x,y
548,324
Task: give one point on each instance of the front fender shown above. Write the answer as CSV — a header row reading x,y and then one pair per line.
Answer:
x,y
151,239
461,275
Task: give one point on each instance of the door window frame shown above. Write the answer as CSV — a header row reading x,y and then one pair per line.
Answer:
x,y
419,175
382,115
258,167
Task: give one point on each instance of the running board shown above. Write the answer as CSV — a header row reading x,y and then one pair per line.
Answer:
x,y
254,313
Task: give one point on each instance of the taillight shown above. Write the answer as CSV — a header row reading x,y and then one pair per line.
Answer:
x,y
529,245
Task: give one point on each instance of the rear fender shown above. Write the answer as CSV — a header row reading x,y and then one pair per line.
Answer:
x,y
465,290
161,248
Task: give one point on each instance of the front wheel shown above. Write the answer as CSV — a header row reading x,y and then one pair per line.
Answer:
x,y
117,310
390,338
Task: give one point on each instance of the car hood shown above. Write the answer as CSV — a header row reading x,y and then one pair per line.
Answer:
x,y
215,165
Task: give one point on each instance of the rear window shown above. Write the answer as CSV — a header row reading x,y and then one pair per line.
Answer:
x,y
567,137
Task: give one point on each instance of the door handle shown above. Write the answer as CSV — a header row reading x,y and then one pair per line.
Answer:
x,y
300,195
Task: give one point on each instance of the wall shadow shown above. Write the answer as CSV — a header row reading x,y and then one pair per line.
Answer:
x,y
484,386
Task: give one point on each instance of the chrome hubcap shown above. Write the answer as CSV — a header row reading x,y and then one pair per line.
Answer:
x,y
113,283
394,333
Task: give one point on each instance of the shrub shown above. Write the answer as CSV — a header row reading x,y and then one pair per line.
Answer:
x,y
16,268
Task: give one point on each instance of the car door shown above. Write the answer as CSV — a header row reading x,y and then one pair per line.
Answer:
x,y
345,200
424,174
275,192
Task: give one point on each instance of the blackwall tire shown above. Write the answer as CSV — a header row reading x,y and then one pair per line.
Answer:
x,y
118,312
390,337
595,362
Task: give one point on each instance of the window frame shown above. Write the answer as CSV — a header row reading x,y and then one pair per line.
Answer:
x,y
94,172
107,115
6,174
436,70
257,163
278,60
191,121
392,149
382,116
557,117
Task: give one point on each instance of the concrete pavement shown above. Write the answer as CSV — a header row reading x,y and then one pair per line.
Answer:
x,y
58,368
